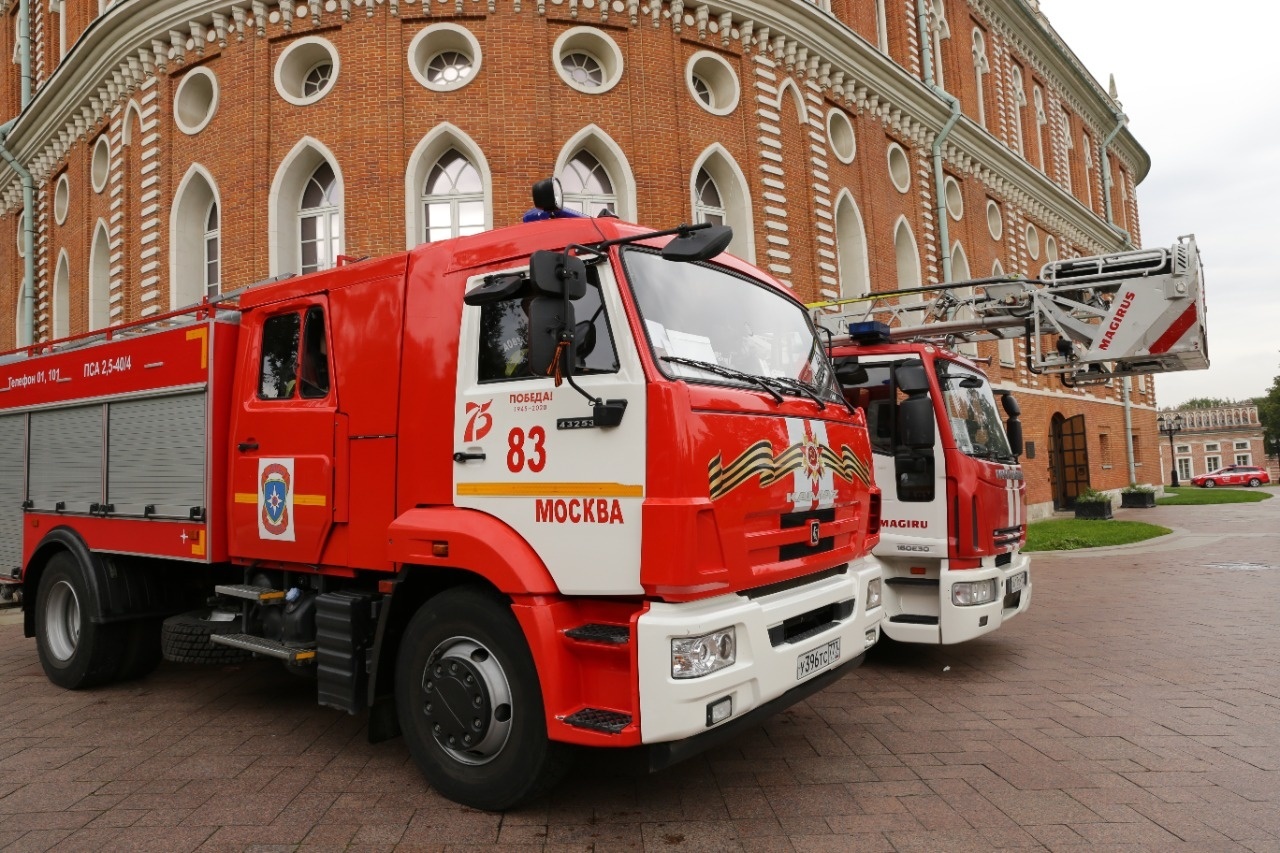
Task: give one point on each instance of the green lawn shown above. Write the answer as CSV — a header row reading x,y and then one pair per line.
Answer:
x,y
1196,496
1068,534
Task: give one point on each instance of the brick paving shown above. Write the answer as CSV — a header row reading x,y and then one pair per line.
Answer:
x,y
1135,707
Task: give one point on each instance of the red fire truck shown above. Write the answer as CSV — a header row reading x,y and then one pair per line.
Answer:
x,y
567,483
954,498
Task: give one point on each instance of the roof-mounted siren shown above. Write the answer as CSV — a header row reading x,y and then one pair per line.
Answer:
x,y
1144,311
548,203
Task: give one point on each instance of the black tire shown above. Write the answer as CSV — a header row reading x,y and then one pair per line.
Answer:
x,y
473,635
185,638
142,653
1209,484
75,651
1255,482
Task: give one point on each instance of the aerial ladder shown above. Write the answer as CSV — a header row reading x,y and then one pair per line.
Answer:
x,y
1087,320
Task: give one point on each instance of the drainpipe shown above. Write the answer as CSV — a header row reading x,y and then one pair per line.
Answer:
x,y
24,49
29,236
939,180
1128,431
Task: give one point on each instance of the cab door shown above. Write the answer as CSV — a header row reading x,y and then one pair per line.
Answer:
x,y
282,436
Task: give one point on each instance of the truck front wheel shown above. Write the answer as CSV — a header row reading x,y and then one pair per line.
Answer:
x,y
470,705
74,651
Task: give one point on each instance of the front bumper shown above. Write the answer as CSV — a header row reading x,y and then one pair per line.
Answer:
x,y
925,614
765,672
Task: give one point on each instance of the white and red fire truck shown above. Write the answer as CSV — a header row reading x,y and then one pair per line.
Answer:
x,y
954,499
563,483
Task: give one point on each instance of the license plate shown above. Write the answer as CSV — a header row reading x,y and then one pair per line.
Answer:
x,y
820,658
1017,582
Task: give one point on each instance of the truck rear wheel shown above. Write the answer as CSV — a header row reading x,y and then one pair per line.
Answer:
x,y
74,651
470,705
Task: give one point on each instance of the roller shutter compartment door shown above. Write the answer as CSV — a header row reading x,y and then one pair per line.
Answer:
x,y
13,451
156,455
66,459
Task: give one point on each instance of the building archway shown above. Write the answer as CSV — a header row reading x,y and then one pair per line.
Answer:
x,y
1068,459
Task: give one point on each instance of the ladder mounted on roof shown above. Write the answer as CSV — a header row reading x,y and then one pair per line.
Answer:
x,y
1086,320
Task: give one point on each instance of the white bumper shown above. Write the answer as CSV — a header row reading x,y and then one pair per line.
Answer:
x,y
672,709
956,624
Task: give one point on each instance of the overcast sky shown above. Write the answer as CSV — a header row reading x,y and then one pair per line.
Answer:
x,y
1198,82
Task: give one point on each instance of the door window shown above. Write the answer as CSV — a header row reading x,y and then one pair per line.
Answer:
x,y
279,372
315,356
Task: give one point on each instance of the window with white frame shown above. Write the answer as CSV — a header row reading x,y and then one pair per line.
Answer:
x,y
1184,468
1212,463
980,68
882,27
941,31
1211,447
212,251
319,221
1182,448
1244,459
452,199
1242,445
1042,118
587,186
1019,101
709,206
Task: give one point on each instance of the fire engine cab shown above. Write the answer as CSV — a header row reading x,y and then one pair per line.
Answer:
x,y
567,483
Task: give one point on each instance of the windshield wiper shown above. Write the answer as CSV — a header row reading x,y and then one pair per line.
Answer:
x,y
799,387
727,372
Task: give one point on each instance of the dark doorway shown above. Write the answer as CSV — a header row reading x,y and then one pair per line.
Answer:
x,y
1068,460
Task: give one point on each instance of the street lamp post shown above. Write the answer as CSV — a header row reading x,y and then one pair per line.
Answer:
x,y
1171,426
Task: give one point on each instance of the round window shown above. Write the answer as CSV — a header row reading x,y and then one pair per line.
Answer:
x,y
840,131
1033,241
1050,249
954,198
899,168
712,82
307,70
196,101
443,57
588,60
101,168
61,199
995,222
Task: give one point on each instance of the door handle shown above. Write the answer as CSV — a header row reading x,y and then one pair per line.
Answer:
x,y
247,445
462,456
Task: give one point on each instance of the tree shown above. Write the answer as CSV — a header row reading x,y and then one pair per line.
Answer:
x,y
1269,414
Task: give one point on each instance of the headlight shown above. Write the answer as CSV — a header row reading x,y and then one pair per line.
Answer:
x,y
694,657
973,592
873,594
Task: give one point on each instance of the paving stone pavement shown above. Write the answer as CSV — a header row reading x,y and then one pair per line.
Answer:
x,y
1136,706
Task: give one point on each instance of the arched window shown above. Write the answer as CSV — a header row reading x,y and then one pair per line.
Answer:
x,y
718,194
452,199
1008,355
587,187
319,221
306,208
62,298
195,243
941,31
960,272
907,259
100,279
882,27
212,251
851,248
709,206
1042,119
980,68
1019,101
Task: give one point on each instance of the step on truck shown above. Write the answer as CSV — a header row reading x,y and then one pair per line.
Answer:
x,y
568,483
946,454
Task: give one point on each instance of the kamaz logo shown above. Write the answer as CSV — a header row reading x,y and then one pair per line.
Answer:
x,y
1118,319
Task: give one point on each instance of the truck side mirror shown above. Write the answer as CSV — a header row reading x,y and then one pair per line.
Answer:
x,y
1013,429
550,322
558,274
1010,404
915,422
701,245
911,379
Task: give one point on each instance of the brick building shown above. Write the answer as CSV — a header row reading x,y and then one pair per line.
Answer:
x,y
179,147
1213,438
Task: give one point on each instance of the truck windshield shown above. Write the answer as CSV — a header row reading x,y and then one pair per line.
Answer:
x,y
708,324
971,409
